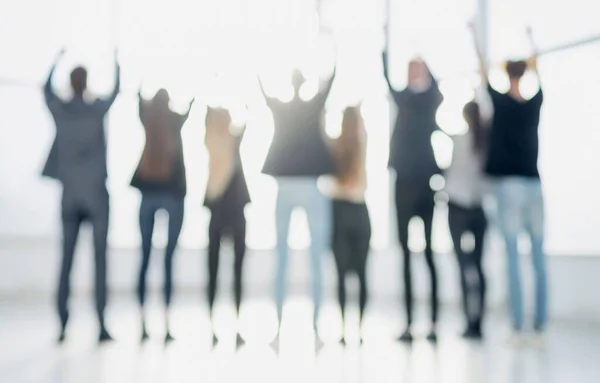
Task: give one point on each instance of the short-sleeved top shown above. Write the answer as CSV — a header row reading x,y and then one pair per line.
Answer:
x,y
411,152
514,145
162,166
299,148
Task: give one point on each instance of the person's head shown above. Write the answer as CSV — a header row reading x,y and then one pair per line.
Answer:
x,y
297,79
515,69
418,74
472,116
351,122
217,119
79,80
162,98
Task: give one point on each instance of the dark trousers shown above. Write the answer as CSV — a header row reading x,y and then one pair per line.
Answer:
x,y
461,221
152,202
351,240
416,199
224,222
92,208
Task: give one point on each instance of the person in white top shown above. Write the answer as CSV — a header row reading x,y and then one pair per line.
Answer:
x,y
466,188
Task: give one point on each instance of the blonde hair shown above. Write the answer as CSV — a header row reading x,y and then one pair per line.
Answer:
x,y
347,147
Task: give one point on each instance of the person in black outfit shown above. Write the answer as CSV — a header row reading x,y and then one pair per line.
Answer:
x,y
351,222
77,160
226,197
466,188
160,176
412,158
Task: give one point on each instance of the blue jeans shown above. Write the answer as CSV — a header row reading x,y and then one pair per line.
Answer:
x,y
302,192
174,206
521,208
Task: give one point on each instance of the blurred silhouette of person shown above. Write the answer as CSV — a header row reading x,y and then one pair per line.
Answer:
x,y
512,164
412,158
226,197
160,177
466,188
297,157
351,222
77,160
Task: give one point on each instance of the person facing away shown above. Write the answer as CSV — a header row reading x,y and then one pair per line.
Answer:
x,y
160,177
466,187
297,157
77,160
512,164
351,222
412,158
226,197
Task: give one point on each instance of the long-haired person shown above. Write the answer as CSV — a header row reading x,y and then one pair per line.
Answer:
x,y
466,188
351,222
412,158
160,177
226,197
512,163
77,160
298,156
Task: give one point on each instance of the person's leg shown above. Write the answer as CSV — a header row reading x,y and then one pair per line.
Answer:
x,y
71,222
175,206
239,243
458,226
341,252
511,200
318,212
215,232
363,244
146,220
426,213
535,228
404,211
479,227
100,218
283,211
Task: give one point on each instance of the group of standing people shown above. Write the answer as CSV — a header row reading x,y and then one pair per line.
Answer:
x,y
503,155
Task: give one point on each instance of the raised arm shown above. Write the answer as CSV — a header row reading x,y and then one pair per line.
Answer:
x,y
483,68
269,100
532,61
386,73
324,90
104,105
187,114
51,98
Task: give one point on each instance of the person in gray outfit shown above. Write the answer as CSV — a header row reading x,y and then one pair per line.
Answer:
x,y
77,160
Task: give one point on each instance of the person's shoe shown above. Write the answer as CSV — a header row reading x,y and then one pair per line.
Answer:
x,y
516,340
537,340
432,337
406,337
62,336
168,337
145,335
104,336
318,344
343,341
275,343
239,341
215,341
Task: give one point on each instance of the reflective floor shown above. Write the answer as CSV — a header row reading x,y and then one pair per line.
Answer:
x,y
28,352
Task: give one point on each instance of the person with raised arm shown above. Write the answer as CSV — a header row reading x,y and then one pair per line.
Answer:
x,y
160,177
413,160
77,160
512,163
297,157
226,197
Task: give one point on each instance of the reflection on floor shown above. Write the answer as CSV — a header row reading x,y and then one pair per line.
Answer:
x,y
28,352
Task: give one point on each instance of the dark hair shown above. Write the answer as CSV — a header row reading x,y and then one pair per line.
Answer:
x,y
347,146
472,116
516,69
79,79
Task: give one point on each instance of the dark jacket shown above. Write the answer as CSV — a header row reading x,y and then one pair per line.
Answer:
x,y
411,152
298,148
78,155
